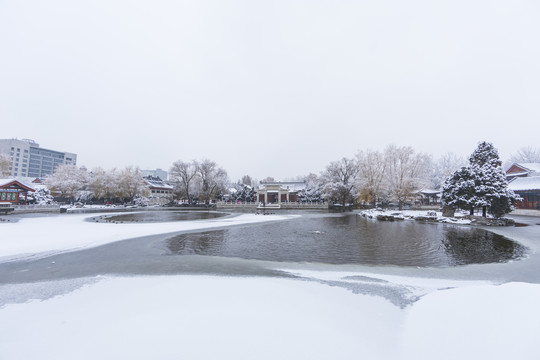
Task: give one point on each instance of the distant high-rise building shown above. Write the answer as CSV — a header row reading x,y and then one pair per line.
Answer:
x,y
30,160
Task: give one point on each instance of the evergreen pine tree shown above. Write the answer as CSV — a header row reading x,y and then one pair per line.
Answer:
x,y
481,184
459,189
491,184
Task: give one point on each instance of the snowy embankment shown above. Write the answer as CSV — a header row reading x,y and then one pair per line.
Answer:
x,y
436,216
41,236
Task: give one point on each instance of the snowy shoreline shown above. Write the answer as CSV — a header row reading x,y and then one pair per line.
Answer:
x,y
434,216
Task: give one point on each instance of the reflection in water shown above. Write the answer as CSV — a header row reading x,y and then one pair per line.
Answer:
x,y
351,239
473,245
163,216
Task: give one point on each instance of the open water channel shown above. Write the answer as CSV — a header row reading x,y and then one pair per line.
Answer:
x,y
339,239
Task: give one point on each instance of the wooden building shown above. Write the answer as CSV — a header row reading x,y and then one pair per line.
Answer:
x,y
524,180
13,192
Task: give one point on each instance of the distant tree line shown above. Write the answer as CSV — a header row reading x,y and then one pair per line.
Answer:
x,y
69,183
371,178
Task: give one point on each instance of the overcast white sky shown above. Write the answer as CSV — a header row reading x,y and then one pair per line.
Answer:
x,y
268,88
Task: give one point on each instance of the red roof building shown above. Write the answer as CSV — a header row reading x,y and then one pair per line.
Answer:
x,y
13,192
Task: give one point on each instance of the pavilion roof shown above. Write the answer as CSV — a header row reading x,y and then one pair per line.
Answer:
x,y
4,183
525,183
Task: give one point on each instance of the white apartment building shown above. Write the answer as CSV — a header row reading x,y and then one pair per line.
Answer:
x,y
30,160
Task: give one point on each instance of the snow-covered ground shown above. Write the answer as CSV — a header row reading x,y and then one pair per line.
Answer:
x,y
39,236
319,315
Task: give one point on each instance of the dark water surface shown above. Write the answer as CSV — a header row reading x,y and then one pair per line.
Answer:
x,y
163,216
351,239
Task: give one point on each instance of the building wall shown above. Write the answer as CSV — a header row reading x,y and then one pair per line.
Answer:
x,y
30,160
530,199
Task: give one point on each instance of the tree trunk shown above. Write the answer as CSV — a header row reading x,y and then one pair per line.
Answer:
x,y
484,211
472,211
448,211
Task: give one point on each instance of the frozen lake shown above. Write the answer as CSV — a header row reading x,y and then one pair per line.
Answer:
x,y
314,239
272,281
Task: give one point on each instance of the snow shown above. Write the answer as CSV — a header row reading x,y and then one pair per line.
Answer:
x,y
535,167
5,181
72,232
318,315
203,317
525,183
413,214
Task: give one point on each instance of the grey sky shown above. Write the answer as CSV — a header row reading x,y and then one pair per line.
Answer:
x,y
268,88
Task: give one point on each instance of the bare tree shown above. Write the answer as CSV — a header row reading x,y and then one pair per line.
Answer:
x,y
212,178
527,154
247,180
183,174
406,172
66,181
105,183
131,183
340,179
444,167
372,170
5,161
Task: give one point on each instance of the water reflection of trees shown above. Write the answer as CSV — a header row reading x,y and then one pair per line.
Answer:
x,y
205,243
470,245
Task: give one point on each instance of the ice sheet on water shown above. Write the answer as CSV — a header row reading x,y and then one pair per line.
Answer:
x,y
40,291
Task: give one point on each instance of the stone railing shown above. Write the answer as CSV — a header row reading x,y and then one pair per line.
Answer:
x,y
283,205
36,208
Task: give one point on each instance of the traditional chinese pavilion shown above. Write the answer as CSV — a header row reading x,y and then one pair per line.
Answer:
x,y
269,193
524,180
13,192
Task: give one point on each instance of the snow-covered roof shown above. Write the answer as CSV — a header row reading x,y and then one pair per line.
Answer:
x,y
530,167
4,182
158,184
292,186
428,191
525,183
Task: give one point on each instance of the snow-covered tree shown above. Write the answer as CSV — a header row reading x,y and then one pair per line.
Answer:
x,y
5,162
459,191
481,184
104,183
182,174
339,181
212,180
66,181
131,183
491,184
243,192
42,196
406,172
371,178
313,191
